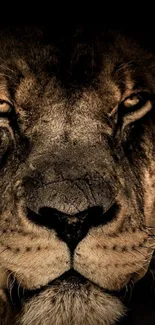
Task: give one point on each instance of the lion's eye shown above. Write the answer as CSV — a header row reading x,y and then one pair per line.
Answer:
x,y
134,102
5,107
131,101
134,107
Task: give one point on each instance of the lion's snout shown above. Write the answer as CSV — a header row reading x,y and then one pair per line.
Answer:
x,y
72,228
71,207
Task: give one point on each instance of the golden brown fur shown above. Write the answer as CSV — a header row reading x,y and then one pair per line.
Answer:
x,y
73,144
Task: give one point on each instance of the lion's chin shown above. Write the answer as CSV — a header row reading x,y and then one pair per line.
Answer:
x,y
71,303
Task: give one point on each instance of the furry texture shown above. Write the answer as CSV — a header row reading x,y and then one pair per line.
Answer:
x,y
72,304
77,175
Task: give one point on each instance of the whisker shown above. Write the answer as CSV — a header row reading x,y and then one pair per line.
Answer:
x,y
3,250
138,251
10,284
131,286
126,292
18,291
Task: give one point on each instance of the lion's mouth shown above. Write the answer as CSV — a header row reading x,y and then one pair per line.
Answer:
x,y
70,280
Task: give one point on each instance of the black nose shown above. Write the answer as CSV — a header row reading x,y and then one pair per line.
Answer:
x,y
72,228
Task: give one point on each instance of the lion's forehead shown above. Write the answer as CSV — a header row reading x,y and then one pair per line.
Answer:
x,y
89,79
50,92
84,111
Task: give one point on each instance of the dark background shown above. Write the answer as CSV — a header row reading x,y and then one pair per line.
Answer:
x,y
141,29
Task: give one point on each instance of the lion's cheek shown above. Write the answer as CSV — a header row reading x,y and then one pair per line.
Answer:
x,y
34,268
109,265
102,270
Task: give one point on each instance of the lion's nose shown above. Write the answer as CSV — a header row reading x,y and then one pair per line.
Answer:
x,y
72,228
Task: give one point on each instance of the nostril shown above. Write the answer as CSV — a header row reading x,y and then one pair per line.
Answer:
x,y
44,217
73,228
34,217
98,216
52,218
94,216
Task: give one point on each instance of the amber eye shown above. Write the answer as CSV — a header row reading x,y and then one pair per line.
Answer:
x,y
5,107
134,107
131,101
134,102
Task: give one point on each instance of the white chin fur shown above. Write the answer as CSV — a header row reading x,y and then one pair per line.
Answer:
x,y
67,305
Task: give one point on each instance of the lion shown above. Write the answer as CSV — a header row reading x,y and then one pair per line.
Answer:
x,y
77,155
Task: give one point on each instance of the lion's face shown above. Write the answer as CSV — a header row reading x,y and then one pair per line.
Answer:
x,y
77,177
